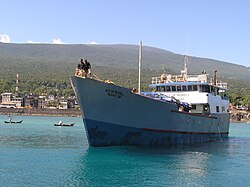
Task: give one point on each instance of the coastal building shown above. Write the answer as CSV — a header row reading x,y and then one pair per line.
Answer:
x,y
72,102
63,104
50,98
41,102
18,101
30,101
9,101
6,97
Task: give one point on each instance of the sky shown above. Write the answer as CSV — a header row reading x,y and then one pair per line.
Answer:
x,y
216,29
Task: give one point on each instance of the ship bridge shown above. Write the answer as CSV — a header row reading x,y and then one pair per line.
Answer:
x,y
203,96
186,79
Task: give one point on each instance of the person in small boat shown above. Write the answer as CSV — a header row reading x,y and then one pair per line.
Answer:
x,y
60,122
10,119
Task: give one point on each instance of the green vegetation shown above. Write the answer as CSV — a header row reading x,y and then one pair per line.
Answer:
x,y
45,68
239,92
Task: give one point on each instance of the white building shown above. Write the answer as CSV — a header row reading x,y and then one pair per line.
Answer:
x,y
8,101
63,104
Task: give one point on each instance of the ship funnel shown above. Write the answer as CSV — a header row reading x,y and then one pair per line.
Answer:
x,y
215,79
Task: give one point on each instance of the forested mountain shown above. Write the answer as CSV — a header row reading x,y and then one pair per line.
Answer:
x,y
44,67
61,58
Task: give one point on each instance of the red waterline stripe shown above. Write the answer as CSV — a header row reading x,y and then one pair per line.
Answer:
x,y
181,132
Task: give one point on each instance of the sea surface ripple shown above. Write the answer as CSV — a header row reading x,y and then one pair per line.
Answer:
x,y
36,153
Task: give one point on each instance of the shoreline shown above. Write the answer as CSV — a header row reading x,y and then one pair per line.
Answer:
x,y
239,116
40,112
77,113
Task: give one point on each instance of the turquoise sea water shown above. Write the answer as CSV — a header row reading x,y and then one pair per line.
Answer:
x,y
35,153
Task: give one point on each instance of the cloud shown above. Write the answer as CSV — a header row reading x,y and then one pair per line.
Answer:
x,y
4,38
93,43
57,41
54,41
32,42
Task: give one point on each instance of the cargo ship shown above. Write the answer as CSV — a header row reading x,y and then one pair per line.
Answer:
x,y
181,110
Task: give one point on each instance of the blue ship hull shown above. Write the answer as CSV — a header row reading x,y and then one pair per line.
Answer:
x,y
105,134
113,115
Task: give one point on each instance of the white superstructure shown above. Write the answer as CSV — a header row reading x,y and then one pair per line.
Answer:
x,y
204,97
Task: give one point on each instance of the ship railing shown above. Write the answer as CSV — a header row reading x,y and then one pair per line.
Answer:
x,y
173,78
197,78
221,84
156,80
179,78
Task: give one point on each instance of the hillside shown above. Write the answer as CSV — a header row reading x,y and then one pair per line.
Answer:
x,y
46,68
64,58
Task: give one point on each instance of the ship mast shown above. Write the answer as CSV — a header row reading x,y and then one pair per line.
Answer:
x,y
17,82
140,61
184,72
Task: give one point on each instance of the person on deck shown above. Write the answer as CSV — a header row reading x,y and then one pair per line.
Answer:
x,y
82,67
87,67
78,70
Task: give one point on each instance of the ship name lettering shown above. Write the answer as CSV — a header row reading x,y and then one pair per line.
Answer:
x,y
114,93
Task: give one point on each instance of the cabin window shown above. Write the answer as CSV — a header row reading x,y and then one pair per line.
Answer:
x,y
224,96
223,109
205,108
190,88
168,89
202,88
207,88
217,109
178,88
173,88
184,88
195,88
157,88
193,107
163,89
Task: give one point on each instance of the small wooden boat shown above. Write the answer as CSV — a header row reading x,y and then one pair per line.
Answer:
x,y
64,124
10,121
